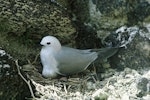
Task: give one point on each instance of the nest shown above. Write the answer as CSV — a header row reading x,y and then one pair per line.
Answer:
x,y
123,85
75,87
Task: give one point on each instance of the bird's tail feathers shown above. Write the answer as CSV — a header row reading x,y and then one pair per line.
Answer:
x,y
105,53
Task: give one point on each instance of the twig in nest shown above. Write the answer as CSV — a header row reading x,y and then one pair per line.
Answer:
x,y
35,58
27,81
95,72
94,79
65,88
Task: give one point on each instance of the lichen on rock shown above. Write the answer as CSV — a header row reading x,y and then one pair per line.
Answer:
x,y
28,21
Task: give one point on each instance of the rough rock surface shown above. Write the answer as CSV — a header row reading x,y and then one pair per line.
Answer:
x,y
26,22
137,53
100,18
11,84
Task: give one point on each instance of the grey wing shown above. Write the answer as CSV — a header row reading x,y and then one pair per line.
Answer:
x,y
73,60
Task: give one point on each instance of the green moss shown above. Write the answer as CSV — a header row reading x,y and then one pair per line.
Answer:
x,y
4,25
15,48
23,24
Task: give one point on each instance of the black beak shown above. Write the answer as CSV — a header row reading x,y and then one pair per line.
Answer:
x,y
41,45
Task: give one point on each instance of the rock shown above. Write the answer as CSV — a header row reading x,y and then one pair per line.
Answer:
x,y
136,54
143,85
24,23
98,18
11,85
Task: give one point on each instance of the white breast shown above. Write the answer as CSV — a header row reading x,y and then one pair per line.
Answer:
x,y
49,63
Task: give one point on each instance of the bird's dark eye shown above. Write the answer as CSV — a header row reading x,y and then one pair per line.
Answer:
x,y
48,43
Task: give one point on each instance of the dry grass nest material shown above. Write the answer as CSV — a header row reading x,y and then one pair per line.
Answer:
x,y
120,86
75,87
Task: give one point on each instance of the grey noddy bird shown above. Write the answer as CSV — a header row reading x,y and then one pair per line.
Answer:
x,y
57,59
